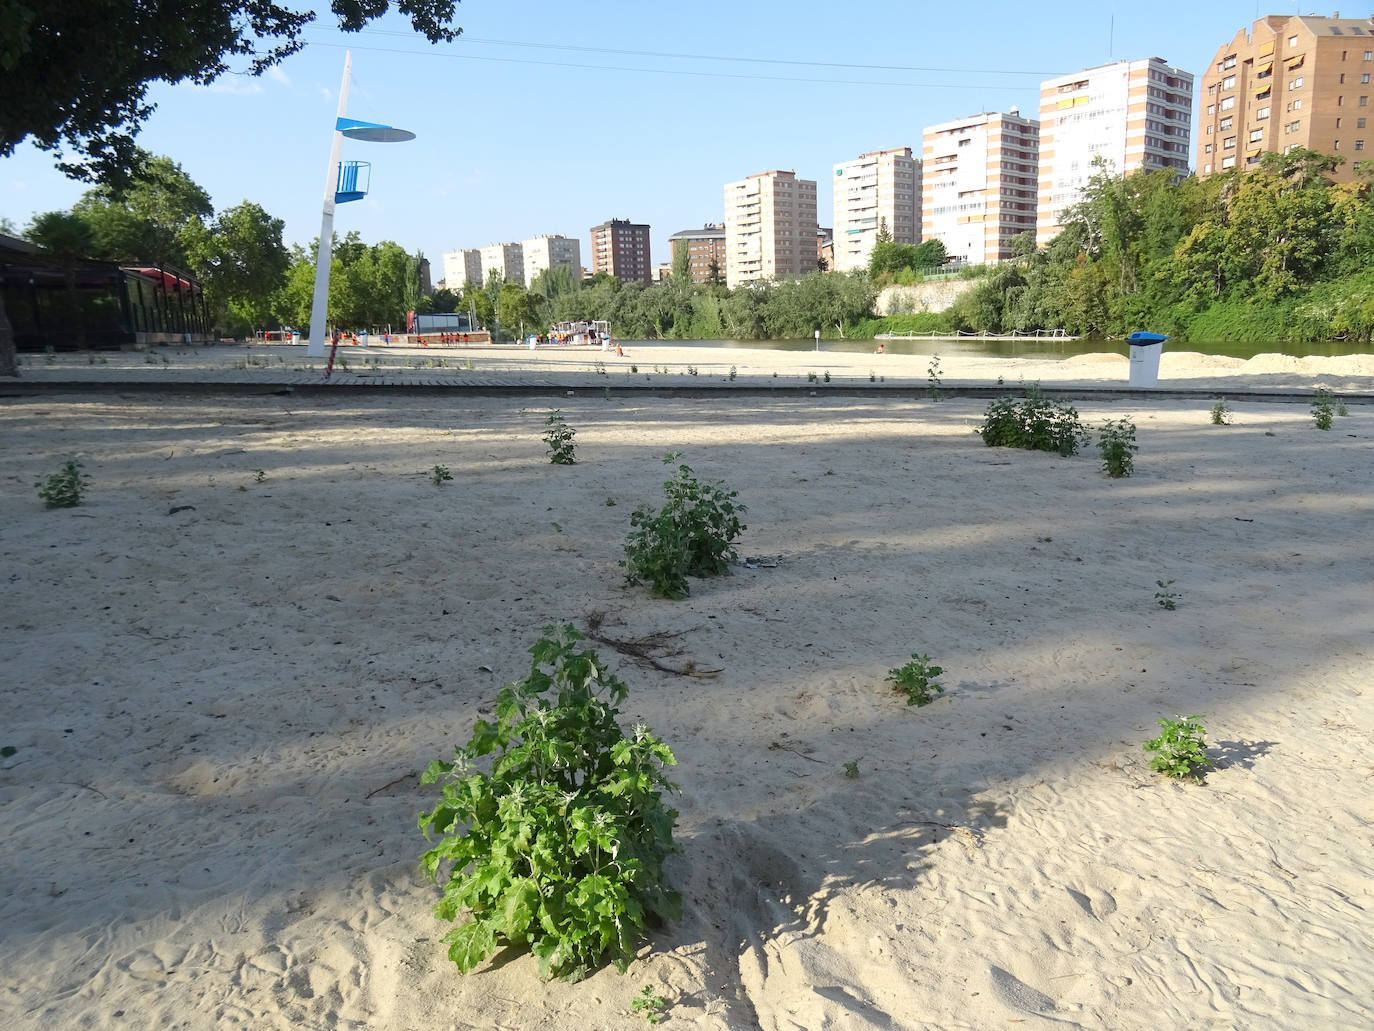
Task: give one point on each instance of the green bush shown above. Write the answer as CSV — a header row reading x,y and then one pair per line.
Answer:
x,y
1181,750
64,488
560,847
1116,441
916,680
692,535
920,322
1035,423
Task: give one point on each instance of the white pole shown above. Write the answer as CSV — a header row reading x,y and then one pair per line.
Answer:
x,y
818,340
319,305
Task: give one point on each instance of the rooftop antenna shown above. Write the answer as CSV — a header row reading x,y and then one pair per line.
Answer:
x,y
1111,38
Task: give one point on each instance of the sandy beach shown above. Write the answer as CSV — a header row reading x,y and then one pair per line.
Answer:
x,y
220,688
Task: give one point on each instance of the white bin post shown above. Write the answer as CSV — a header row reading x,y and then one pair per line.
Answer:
x,y
1145,361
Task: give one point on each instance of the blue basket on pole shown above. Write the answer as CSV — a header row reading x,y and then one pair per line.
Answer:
x,y
354,179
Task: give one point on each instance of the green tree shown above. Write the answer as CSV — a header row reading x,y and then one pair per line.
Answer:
x,y
243,263
151,217
682,262
714,276
75,76
929,254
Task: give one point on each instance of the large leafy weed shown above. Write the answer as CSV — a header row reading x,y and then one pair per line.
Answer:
x,y
1036,423
560,847
692,535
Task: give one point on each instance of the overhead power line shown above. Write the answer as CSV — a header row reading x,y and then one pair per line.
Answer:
x,y
725,57
827,81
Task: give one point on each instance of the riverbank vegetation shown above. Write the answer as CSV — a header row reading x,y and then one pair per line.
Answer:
x,y
1276,252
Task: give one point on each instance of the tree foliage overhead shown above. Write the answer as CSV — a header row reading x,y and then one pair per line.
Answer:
x,y
75,76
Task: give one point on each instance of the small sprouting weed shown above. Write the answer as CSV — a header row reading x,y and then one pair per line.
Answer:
x,y
1181,750
634,369
811,377
1167,599
654,1007
64,488
1341,409
917,680
439,474
259,475
851,769
733,373
1221,415
610,501
933,377
691,370
826,377
669,457
872,378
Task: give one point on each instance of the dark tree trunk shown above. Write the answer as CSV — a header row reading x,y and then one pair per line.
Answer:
x,y
8,365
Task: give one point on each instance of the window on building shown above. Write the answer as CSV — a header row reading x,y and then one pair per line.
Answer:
x,y
1207,169
1292,41
1369,55
1229,143
1211,109
1261,114
1364,102
1338,123
1335,144
1229,82
1297,105
1209,130
1207,149
1256,135
1359,144
1340,101
1227,122
1359,123
1364,78
1228,162
1230,62
1228,103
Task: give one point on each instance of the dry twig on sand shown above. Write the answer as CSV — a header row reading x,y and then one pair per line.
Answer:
x,y
650,649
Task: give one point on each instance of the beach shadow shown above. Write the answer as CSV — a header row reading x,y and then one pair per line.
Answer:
x,y
1239,754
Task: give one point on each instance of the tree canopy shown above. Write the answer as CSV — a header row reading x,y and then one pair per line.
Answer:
x,y
75,76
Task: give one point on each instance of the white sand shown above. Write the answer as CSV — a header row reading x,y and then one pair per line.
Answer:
x,y
219,713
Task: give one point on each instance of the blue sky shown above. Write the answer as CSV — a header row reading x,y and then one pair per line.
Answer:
x,y
552,117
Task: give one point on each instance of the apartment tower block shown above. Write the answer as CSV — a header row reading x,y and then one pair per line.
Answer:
x,y
1135,115
621,248
507,260
1289,82
979,182
462,267
705,247
770,227
883,186
546,252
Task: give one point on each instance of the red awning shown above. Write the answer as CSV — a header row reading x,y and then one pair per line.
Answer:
x,y
169,280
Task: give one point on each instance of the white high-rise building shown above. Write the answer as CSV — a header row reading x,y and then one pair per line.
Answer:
x,y
978,184
505,259
546,252
1133,114
882,187
461,268
770,227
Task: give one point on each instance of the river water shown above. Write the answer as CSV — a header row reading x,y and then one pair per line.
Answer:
x,y
975,347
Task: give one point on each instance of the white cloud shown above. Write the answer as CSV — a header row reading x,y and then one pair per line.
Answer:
x,y
276,74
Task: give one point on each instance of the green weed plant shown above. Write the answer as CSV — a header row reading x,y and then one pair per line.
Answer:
x,y
1322,408
1221,415
1165,597
653,1006
917,681
693,534
1035,423
562,450
1116,442
560,846
1181,750
439,475
64,488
